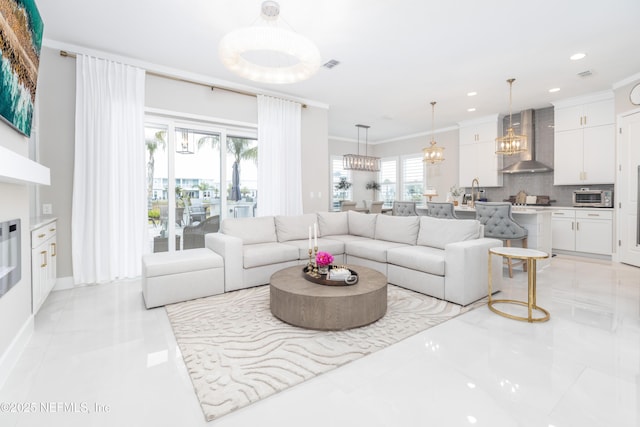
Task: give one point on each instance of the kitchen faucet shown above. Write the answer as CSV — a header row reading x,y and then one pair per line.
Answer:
x,y
475,182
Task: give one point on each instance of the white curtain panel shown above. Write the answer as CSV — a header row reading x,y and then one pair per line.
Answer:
x,y
108,211
279,157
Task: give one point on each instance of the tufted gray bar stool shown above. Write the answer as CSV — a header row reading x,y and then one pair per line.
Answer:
x,y
441,210
404,208
499,224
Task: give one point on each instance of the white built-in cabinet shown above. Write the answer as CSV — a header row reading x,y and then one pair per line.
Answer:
x,y
583,230
584,140
43,262
477,157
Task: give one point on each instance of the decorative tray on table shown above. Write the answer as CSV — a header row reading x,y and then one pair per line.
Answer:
x,y
337,276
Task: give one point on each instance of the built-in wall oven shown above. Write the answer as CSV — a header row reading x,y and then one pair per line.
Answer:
x,y
10,268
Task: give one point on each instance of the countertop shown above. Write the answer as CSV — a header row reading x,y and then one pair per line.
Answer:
x,y
533,209
39,221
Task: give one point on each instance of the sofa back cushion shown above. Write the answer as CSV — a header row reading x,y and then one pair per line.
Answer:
x,y
400,229
333,223
438,232
295,227
362,224
251,230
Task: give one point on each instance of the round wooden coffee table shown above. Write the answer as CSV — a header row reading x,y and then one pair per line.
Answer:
x,y
299,302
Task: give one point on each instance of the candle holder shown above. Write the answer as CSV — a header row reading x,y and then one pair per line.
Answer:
x,y
310,264
315,256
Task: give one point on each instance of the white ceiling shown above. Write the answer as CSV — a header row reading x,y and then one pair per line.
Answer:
x,y
395,56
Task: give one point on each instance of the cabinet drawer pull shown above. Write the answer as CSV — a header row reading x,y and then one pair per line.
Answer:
x,y
52,229
40,236
558,213
54,250
44,259
593,214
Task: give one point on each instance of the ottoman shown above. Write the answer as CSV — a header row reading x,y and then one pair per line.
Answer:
x,y
170,277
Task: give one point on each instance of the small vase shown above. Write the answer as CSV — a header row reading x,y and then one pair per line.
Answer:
x,y
323,269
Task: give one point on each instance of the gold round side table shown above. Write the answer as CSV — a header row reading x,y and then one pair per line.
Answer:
x,y
530,256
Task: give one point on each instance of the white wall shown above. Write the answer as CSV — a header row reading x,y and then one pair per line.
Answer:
x,y
56,97
315,169
16,323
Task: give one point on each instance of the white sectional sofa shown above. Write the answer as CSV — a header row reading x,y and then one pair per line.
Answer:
x,y
444,258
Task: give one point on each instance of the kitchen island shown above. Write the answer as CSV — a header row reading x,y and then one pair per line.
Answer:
x,y
537,221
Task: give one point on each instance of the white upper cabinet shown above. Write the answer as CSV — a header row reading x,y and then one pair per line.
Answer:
x,y
477,152
584,140
591,114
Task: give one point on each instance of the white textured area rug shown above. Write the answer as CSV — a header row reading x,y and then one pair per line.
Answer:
x,y
237,352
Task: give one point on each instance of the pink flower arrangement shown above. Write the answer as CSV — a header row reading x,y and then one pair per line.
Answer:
x,y
324,258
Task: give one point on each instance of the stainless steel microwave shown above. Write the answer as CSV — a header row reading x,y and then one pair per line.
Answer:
x,y
593,198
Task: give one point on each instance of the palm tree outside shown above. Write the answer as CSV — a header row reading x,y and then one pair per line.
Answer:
x,y
153,143
241,149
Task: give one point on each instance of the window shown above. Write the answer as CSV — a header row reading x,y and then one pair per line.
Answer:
x,y
387,178
412,178
338,173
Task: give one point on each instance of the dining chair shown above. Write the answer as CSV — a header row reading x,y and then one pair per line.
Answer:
x,y
376,207
347,205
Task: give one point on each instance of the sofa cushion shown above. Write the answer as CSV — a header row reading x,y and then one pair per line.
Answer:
x,y
400,229
251,230
164,263
332,223
438,232
295,227
421,258
374,250
362,224
268,253
334,247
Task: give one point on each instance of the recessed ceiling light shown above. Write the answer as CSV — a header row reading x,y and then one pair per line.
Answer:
x,y
472,93
471,110
555,89
577,56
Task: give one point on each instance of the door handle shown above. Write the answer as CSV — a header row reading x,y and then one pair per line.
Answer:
x,y
44,259
577,226
54,250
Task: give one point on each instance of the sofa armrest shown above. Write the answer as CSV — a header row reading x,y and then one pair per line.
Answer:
x,y
467,269
230,249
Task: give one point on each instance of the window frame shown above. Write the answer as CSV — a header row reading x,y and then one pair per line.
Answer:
x,y
332,182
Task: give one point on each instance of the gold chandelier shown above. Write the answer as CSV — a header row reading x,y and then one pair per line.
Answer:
x,y
359,162
433,154
511,143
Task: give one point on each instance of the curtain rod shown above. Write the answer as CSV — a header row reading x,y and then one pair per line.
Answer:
x,y
179,79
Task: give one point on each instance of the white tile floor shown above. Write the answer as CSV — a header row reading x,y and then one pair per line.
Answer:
x,y
97,348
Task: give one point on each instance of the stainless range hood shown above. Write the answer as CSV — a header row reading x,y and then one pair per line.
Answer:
x,y
528,162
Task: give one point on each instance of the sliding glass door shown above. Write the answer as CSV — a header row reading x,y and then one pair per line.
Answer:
x,y
191,187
